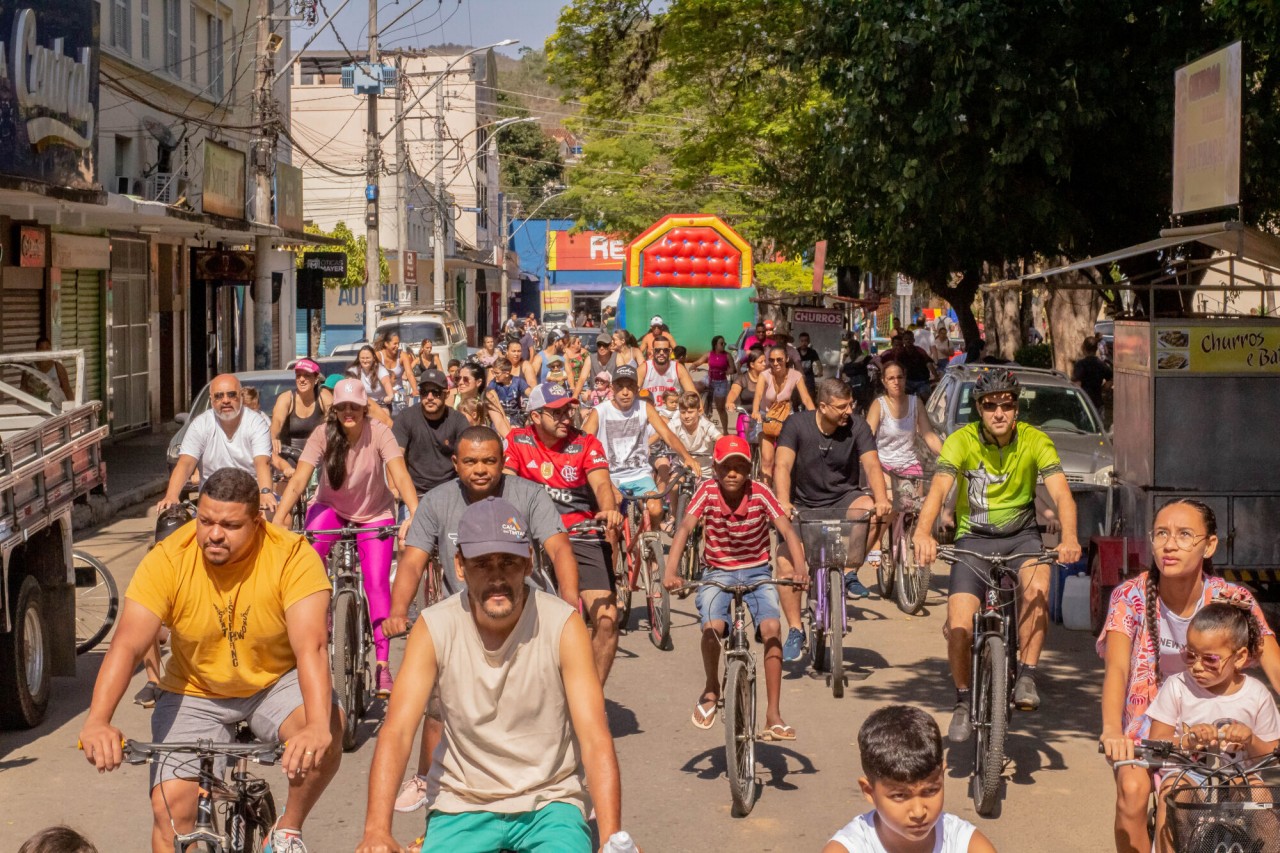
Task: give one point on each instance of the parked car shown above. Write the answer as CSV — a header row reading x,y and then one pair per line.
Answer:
x,y
555,320
1050,402
349,351
270,384
440,326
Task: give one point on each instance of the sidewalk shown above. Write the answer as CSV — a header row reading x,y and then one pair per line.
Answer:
x,y
136,473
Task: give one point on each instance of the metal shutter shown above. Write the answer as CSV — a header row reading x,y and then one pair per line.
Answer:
x,y
276,334
82,325
130,336
21,320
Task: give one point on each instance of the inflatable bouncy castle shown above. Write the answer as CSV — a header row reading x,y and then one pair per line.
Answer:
x,y
694,272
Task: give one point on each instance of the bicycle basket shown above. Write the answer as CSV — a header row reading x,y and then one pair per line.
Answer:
x,y
826,541
1211,816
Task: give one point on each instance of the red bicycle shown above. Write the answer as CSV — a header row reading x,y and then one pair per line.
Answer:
x,y
638,565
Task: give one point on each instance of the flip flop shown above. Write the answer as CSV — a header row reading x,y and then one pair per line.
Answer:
x,y
704,719
778,732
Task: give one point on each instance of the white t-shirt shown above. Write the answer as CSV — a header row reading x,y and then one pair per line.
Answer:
x,y
208,443
1182,702
951,835
373,384
703,439
1173,637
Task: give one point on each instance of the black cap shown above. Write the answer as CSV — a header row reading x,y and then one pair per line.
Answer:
x,y
625,371
433,377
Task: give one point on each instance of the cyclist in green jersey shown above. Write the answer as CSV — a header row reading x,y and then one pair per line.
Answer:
x,y
1000,462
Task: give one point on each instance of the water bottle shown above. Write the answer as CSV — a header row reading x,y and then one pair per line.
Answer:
x,y
620,842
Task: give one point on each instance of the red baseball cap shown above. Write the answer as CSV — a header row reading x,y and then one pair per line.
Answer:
x,y
731,445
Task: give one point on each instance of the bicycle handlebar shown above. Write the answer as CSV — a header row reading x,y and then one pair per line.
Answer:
x,y
952,554
797,515
591,525
739,588
382,532
140,752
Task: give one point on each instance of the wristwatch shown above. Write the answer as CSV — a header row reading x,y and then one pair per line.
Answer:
x,y
265,491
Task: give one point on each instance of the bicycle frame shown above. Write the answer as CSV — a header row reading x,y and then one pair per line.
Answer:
x,y
990,621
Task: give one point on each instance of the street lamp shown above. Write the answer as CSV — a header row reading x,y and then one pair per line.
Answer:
x,y
506,241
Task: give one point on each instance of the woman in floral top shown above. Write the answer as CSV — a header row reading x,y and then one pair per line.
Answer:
x,y
1151,612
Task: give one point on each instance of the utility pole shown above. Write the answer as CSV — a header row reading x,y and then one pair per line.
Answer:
x,y
402,192
373,155
263,158
437,251
505,297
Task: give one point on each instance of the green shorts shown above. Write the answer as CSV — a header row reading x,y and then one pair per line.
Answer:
x,y
554,828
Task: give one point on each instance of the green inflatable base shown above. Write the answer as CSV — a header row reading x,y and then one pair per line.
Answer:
x,y
694,314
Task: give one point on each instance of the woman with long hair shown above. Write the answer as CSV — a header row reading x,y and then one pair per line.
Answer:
x,y
356,456
376,380
742,393
398,362
774,390
720,368
426,360
297,413
487,406
626,350
1143,642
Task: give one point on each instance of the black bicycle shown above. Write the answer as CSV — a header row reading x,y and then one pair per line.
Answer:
x,y
235,811
1214,803
685,486
738,696
995,665
97,600
350,631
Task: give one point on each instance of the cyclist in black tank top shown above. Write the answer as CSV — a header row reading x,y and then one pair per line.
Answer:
x,y
290,428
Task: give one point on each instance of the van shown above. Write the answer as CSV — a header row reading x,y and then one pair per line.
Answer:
x,y
441,326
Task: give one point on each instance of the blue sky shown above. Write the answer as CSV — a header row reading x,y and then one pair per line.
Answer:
x,y
428,22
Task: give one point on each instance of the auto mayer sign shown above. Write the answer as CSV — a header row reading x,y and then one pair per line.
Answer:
x,y
49,91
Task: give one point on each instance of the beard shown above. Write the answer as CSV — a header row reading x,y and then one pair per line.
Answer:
x,y
231,415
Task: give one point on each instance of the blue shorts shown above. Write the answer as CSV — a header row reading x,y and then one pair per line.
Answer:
x,y
715,605
635,488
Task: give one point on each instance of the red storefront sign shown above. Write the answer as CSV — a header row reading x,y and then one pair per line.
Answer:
x,y
588,250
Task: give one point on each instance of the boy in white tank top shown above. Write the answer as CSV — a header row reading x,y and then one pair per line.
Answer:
x,y
902,776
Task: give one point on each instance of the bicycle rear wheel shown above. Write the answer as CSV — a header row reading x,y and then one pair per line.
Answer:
x,y
991,682
740,735
657,596
835,633
913,578
622,560
97,600
343,664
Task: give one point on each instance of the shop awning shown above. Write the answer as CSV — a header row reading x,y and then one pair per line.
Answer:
x,y
1239,241
587,287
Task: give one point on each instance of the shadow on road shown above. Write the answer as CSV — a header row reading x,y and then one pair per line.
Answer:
x,y
622,720
70,698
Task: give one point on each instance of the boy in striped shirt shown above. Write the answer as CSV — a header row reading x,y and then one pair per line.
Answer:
x,y
736,513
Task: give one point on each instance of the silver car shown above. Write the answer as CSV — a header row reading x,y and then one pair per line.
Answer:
x,y
1050,402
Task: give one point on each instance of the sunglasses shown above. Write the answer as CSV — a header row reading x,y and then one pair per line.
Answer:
x,y
563,413
433,392
777,361
225,395
1209,661
657,350
1004,407
348,407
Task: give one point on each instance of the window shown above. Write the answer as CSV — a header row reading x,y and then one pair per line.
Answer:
x,y
145,12
173,37
215,87
191,44
121,18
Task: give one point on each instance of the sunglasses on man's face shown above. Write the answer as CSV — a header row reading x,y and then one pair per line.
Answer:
x,y
1004,407
225,395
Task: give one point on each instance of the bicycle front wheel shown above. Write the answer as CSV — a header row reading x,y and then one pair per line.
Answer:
x,y
622,563
740,735
817,596
991,682
913,578
97,600
343,664
657,596
887,570
252,820
835,629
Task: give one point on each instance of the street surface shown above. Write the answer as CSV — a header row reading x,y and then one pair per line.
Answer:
x,y
1058,797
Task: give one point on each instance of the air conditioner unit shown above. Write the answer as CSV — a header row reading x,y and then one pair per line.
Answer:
x,y
162,187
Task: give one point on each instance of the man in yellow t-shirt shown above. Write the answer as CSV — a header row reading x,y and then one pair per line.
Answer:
x,y
247,605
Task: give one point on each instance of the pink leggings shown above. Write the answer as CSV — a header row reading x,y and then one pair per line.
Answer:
x,y
375,565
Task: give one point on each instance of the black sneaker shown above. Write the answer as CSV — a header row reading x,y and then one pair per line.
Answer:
x,y
961,729
1025,695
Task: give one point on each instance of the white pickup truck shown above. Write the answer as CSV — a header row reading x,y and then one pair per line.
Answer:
x,y
50,454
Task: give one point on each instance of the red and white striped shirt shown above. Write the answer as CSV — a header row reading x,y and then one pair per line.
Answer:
x,y
735,537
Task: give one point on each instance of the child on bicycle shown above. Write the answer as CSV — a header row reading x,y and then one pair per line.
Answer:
x,y
736,512
903,772
694,429
1153,612
1213,703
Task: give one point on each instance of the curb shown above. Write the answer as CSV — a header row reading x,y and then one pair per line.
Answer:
x,y
103,508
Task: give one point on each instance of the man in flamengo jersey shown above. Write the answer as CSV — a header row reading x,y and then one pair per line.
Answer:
x,y
571,466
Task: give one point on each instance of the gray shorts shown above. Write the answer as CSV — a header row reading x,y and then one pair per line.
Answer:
x,y
179,718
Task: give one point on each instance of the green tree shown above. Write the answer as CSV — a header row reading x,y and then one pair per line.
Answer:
x,y
356,249
529,165
789,277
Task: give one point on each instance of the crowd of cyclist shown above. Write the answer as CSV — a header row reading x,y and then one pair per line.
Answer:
x,y
524,443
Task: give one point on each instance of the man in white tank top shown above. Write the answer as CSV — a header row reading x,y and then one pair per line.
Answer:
x,y
660,374
521,705
625,426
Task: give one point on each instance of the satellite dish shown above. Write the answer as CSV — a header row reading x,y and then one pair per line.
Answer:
x,y
163,135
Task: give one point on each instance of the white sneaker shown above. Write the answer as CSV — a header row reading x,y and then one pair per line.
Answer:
x,y
413,794
284,841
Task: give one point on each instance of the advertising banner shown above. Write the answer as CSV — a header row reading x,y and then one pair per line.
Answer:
x,y
1206,132
1224,349
587,251
224,176
288,197
49,92
557,300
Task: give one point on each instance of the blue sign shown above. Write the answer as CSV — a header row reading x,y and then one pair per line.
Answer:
x,y
49,91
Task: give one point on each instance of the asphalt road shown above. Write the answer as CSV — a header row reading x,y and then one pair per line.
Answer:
x,y
1058,794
